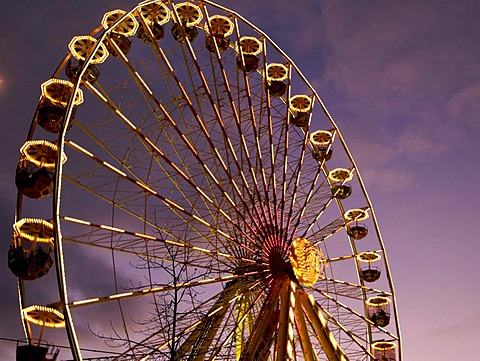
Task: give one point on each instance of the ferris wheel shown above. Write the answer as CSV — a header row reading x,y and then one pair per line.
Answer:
x,y
205,204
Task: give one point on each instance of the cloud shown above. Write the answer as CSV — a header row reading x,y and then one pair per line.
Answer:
x,y
399,63
387,180
464,106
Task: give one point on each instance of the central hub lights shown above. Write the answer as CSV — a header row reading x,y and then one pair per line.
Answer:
x,y
306,260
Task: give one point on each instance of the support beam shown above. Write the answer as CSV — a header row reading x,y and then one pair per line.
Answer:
x,y
202,336
259,342
330,346
302,331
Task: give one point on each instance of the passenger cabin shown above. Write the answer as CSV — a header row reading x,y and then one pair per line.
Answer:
x,y
379,310
35,170
369,273
341,191
123,43
33,181
29,256
217,31
50,116
185,26
300,107
384,351
357,231
73,68
154,16
157,30
37,353
250,47
38,350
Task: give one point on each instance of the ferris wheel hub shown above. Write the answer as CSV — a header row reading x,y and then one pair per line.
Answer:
x,y
277,263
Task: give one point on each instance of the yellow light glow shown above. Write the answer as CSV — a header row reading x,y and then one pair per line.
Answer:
x,y
356,214
113,229
368,257
35,230
59,91
378,301
321,137
128,26
44,316
340,175
277,72
301,103
220,25
383,346
81,47
41,153
155,13
189,14
250,45
306,261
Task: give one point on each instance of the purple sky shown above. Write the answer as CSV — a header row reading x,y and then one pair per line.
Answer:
x,y
402,81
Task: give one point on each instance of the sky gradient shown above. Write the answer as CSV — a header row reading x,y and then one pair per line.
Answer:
x,y
402,81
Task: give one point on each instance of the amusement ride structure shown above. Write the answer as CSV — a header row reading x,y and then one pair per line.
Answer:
x,y
184,194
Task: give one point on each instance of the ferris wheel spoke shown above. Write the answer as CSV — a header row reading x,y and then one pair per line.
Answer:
x,y
208,201
348,328
229,149
252,115
265,107
180,211
236,116
187,243
346,289
347,318
327,231
219,159
159,289
151,145
297,178
148,246
309,211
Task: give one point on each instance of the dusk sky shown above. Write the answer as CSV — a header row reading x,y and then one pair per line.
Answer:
x,y
402,81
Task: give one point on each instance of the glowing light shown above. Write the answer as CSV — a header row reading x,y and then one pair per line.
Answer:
x,y
306,260
340,175
321,137
220,25
277,72
44,316
356,214
60,91
189,14
128,26
155,13
368,257
300,103
36,230
85,302
81,47
378,301
383,346
250,45
41,153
